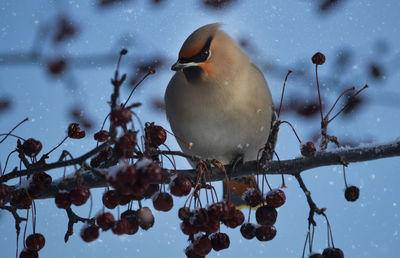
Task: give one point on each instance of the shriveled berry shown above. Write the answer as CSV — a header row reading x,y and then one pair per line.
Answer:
x,y
202,245
333,253
180,186
352,193
308,149
219,241
79,196
89,233
155,134
318,58
110,199
266,215
248,230
101,136
163,201
26,253
265,233
35,242
105,220
121,226
31,147
74,131
145,218
253,197
275,198
62,200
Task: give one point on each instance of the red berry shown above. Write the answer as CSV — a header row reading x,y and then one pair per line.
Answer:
x,y
120,117
162,201
110,199
31,147
184,213
248,230
74,131
265,233
275,198
352,193
21,198
308,149
236,220
152,173
79,196
62,200
253,197
266,215
26,253
180,186
131,216
318,58
151,190
220,241
4,192
105,220
188,228
202,245
120,227
199,218
315,255
155,134
101,136
123,179
189,252
126,145
333,253
35,242
89,233
145,218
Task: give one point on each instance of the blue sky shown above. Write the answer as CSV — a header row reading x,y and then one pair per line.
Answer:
x,y
285,34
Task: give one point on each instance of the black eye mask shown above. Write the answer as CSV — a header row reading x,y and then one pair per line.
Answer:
x,y
199,57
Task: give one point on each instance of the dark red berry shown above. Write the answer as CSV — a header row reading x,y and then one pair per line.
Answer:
x,y
253,197
308,149
4,192
126,145
155,134
248,230
188,228
31,147
180,186
352,193
101,136
89,233
266,215
265,233
199,217
21,198
57,66
35,242
163,201
74,131
62,200
110,199
123,179
202,245
26,253
229,209
105,220
315,255
318,58
123,52
103,156
121,226
120,117
184,213
131,216
333,253
236,220
216,210
151,190
79,196
219,241
275,198
145,218
151,173
189,252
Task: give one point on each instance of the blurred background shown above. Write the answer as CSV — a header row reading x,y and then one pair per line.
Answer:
x,y
57,58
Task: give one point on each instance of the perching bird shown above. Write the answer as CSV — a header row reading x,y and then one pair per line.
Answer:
x,y
218,99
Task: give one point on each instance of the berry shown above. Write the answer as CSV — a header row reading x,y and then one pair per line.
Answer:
x,y
4,192
155,134
189,252
126,145
188,228
275,198
35,242
163,201
333,253
101,136
31,147
79,196
26,253
180,186
315,255
130,215
105,220
308,149
89,233
252,197
199,218
265,233
120,117
145,218
74,131
21,198
123,52
151,190
202,245
110,199
266,215
120,227
152,173
248,230
62,200
220,241
123,179
318,58
352,193
236,220
184,213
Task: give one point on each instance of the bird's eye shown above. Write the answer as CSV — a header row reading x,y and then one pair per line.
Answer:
x,y
200,56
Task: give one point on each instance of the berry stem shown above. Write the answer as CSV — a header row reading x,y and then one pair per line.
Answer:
x,y
137,85
287,122
283,178
319,94
337,100
344,176
283,91
48,153
15,127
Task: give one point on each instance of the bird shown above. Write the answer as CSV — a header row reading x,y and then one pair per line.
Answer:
x,y
219,101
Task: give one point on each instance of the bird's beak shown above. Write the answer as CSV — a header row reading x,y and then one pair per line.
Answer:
x,y
178,66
